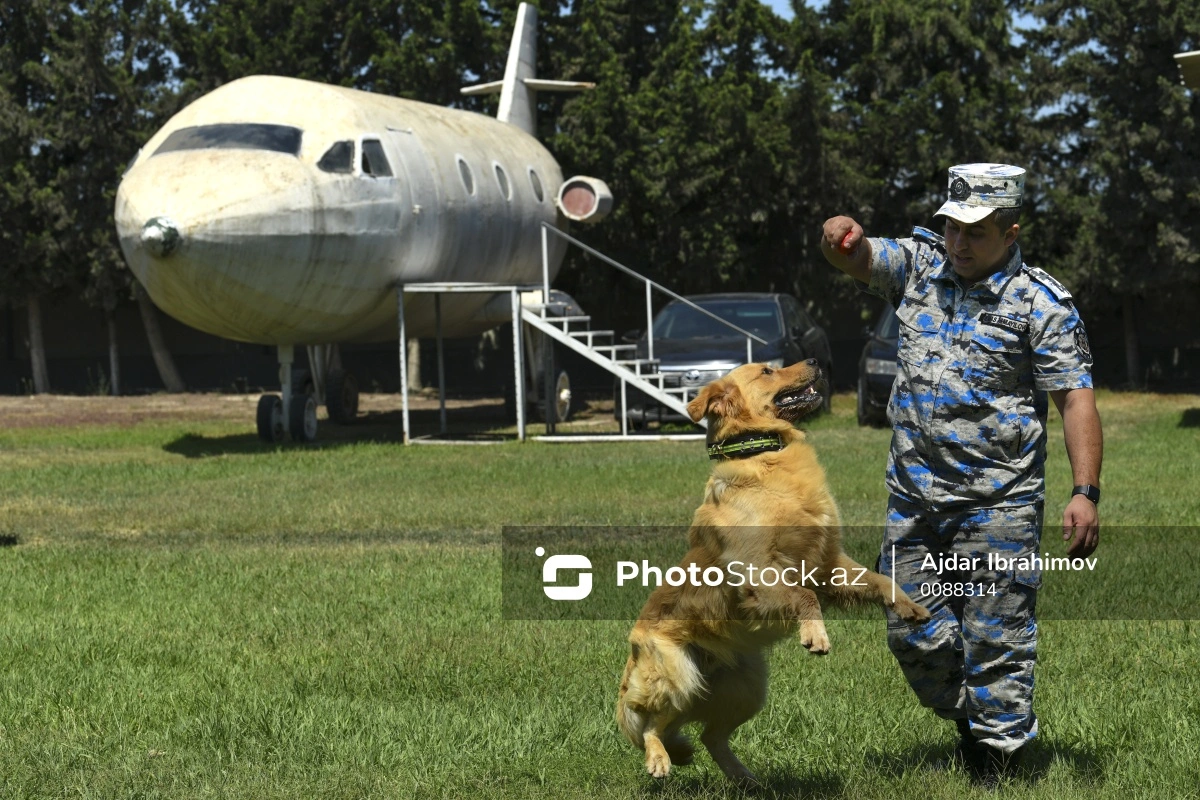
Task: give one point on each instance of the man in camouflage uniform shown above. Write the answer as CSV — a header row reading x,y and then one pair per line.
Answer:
x,y
983,339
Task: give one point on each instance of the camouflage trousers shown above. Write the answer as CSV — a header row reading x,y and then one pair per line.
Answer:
x,y
974,659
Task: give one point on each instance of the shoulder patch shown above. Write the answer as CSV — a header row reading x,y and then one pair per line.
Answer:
x,y
1082,345
1059,291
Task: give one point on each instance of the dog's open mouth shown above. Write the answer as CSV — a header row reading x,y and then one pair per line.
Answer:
x,y
797,401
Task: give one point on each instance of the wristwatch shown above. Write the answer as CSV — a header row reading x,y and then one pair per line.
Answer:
x,y
1090,492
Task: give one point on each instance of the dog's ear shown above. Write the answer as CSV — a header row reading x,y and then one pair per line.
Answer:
x,y
721,398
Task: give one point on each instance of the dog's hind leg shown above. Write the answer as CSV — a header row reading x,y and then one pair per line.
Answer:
x,y
736,695
856,583
664,681
679,747
663,730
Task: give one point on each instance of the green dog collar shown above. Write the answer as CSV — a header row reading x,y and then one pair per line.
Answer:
x,y
746,445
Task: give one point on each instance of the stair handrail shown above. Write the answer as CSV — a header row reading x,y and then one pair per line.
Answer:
x,y
650,285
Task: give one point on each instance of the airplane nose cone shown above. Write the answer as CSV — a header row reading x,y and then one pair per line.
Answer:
x,y
160,236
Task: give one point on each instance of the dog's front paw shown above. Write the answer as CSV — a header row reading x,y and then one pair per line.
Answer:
x,y
814,637
658,764
910,612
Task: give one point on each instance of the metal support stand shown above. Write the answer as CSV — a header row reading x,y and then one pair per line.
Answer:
x,y
287,354
549,385
518,364
319,358
403,360
441,361
437,289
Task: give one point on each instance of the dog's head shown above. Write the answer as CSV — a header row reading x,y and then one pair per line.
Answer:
x,y
759,397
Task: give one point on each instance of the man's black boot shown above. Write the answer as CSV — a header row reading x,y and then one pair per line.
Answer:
x,y
987,766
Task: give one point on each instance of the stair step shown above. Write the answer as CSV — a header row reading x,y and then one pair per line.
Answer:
x,y
568,320
590,334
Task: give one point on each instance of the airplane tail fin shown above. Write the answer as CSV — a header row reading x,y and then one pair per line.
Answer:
x,y
518,91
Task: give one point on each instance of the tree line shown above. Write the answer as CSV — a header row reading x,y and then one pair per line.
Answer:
x,y
726,133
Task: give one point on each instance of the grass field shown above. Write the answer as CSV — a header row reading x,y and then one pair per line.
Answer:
x,y
191,614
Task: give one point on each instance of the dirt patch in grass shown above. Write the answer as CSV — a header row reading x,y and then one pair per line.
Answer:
x,y
379,417
46,411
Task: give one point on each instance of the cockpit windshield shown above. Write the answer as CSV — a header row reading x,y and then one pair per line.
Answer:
x,y
234,136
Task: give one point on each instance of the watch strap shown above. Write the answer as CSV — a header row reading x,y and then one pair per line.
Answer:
x,y
1090,492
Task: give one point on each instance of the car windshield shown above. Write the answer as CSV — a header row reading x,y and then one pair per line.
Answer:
x,y
681,321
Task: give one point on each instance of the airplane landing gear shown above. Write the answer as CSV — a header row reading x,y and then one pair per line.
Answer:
x,y
341,396
270,419
302,417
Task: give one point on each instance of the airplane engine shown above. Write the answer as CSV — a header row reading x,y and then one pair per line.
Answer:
x,y
584,199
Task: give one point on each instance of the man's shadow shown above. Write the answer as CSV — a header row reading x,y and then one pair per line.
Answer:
x,y
1087,763
777,783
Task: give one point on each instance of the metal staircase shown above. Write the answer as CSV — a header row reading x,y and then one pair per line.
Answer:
x,y
574,332
598,346
601,348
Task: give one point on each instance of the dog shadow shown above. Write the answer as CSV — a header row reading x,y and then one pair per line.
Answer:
x,y
1087,763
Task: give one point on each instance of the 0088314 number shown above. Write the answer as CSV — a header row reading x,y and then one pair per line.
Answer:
x,y
949,589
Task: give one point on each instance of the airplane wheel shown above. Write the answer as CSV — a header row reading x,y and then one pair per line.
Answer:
x,y
341,397
561,398
270,419
303,422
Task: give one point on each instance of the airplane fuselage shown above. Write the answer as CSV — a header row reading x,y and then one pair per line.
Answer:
x,y
281,211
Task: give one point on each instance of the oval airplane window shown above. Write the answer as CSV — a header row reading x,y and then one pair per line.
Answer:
x,y
468,178
502,179
338,158
536,183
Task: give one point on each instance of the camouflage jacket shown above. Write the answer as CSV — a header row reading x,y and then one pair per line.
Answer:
x,y
968,408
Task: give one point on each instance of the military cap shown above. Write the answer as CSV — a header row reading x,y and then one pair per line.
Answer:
x,y
977,190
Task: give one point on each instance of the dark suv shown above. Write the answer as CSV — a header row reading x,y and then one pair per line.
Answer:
x,y
693,349
877,369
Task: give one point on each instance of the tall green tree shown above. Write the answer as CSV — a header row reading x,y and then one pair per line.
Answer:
x,y
33,172
687,125
1119,151
419,49
110,71
920,85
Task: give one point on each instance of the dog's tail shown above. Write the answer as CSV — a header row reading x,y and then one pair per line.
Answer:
x,y
660,675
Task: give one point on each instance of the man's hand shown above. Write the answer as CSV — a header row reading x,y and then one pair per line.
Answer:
x,y
842,234
1085,446
841,240
1081,527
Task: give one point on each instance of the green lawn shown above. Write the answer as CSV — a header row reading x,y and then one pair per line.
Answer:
x,y
191,614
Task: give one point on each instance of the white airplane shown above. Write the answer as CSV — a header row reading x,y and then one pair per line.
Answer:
x,y
285,212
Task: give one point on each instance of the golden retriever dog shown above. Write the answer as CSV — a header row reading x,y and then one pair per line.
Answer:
x,y
697,651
